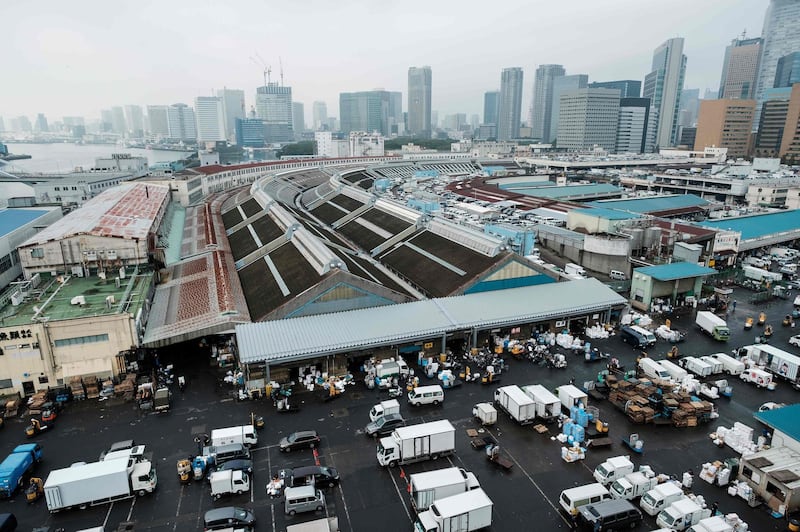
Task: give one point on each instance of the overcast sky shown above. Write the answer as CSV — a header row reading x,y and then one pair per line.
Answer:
x,y
77,57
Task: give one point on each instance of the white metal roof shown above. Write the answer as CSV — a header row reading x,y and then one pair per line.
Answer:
x,y
423,429
438,477
309,336
456,504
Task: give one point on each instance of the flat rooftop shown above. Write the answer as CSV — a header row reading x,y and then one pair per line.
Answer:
x,y
653,204
53,298
676,270
759,225
13,219
564,192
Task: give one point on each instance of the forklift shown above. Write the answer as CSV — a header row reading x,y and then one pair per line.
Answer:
x,y
35,490
35,428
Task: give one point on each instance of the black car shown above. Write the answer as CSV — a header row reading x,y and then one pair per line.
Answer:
x,y
240,464
300,440
310,475
228,517
384,425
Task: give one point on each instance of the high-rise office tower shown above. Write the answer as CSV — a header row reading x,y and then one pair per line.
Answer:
x,y
181,122
687,107
725,123
588,118
772,121
274,106
510,106
2,125
628,88
561,85
634,114
158,121
420,81
41,124
232,108
790,145
787,72
118,121
210,119
134,119
106,120
298,118
540,115
366,111
491,107
663,85
320,111
396,122
740,68
249,132
781,37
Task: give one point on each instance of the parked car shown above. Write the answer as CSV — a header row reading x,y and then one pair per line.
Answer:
x,y
299,440
309,476
384,425
228,517
795,340
240,464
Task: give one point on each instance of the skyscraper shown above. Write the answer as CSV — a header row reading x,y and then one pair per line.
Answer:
x,y
740,68
396,125
788,71
210,119
41,123
232,108
628,88
588,118
725,123
320,110
772,122
157,118
105,120
420,80
274,106
298,118
790,145
561,85
250,132
510,107
491,107
781,37
540,115
134,119
632,125
181,122
366,111
687,107
663,85
118,121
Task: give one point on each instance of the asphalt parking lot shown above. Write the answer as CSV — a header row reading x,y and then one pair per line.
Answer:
x,y
370,497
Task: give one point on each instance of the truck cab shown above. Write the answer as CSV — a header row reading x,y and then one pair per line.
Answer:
x,y
612,469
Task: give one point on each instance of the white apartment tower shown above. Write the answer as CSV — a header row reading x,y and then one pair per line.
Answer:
x,y
209,115
232,108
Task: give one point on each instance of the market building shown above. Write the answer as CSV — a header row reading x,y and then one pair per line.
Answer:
x,y
674,282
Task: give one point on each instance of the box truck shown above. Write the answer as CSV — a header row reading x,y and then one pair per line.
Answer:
x,y
514,402
435,485
415,443
777,361
548,406
730,365
162,400
716,364
16,467
244,434
660,497
465,512
682,514
574,269
675,371
570,396
612,469
713,325
392,406
759,274
697,366
228,482
654,370
632,486
98,483
716,523
759,377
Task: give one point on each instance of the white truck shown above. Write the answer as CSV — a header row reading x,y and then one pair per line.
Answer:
x,y
759,274
548,406
98,483
660,497
778,361
136,453
392,406
612,469
435,485
654,370
392,368
415,443
571,395
675,371
516,403
759,377
228,482
730,365
716,364
465,512
713,325
574,269
682,514
632,486
697,366
714,523
783,253
244,434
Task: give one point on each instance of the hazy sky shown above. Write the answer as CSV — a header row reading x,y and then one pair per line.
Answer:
x,y
74,58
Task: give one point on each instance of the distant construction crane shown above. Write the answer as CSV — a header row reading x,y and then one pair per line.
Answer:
x,y
263,64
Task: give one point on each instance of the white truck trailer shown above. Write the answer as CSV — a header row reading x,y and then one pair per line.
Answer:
x,y
675,371
759,274
779,362
391,406
699,367
730,365
244,434
465,512
431,486
228,482
682,514
98,483
713,325
548,406
632,486
571,395
415,443
516,403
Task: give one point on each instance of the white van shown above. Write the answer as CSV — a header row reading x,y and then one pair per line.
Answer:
x,y
729,364
571,498
426,395
617,275
303,499
654,370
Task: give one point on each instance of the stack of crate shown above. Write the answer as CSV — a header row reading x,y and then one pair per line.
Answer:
x,y
127,387
92,387
36,402
76,385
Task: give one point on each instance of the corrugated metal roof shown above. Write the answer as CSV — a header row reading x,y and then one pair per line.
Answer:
x,y
782,419
656,204
13,219
306,337
760,225
676,270
608,214
568,191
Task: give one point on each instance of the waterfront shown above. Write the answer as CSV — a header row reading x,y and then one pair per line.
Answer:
x,y
65,157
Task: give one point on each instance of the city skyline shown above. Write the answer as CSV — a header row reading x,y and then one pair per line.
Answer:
x,y
107,56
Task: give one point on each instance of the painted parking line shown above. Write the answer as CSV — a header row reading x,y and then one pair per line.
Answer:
x,y
400,494
341,491
178,509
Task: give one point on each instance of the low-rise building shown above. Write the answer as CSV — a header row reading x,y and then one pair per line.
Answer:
x,y
673,282
17,226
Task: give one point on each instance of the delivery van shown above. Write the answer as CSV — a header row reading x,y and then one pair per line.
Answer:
x,y
426,395
571,498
